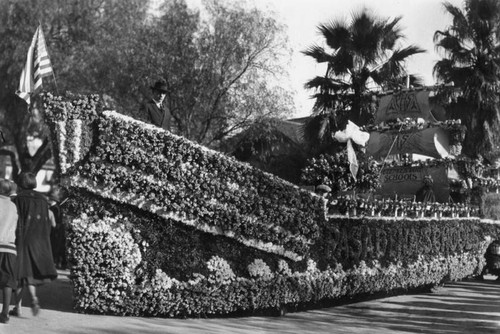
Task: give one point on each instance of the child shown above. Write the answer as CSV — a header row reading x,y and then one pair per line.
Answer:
x,y
8,223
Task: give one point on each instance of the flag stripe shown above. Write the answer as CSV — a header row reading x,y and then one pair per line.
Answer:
x,y
37,66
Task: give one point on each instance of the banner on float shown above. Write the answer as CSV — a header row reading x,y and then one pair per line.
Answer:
x,y
406,181
403,105
432,142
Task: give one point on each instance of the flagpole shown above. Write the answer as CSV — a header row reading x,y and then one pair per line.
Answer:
x,y
55,82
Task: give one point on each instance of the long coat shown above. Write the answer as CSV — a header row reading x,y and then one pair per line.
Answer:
x,y
161,117
34,252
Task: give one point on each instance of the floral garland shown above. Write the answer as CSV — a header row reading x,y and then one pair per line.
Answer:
x,y
400,208
198,170
413,125
489,182
297,243
448,162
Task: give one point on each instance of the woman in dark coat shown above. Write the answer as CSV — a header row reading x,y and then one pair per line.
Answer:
x,y
34,253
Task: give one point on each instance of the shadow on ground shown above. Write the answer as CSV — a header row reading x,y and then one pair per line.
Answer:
x,y
458,307
56,295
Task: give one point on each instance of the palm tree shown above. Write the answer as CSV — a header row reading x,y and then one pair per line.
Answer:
x,y
471,60
360,53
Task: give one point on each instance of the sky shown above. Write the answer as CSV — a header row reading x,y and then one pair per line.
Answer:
x,y
421,18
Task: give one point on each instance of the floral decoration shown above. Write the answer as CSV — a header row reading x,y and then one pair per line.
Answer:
x,y
124,288
411,124
128,181
388,207
333,171
259,269
220,271
140,164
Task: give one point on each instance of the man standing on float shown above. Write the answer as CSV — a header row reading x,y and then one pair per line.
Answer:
x,y
155,110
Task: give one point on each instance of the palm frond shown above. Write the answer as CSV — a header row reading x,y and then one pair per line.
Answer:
x,y
336,34
342,63
446,72
402,54
391,33
318,53
367,33
460,24
485,10
326,84
450,44
438,34
394,66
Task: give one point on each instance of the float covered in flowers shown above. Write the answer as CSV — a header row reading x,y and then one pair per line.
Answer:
x,y
161,226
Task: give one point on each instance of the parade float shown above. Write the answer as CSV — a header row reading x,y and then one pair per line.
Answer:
x,y
161,226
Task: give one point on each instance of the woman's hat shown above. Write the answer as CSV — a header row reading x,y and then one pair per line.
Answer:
x,y
160,86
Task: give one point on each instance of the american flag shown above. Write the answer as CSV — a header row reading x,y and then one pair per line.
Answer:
x,y
37,67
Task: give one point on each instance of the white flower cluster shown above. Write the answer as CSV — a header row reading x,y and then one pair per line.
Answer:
x,y
162,281
312,266
77,138
283,268
220,271
61,139
105,259
259,269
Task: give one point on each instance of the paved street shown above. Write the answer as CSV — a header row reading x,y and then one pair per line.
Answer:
x,y
464,307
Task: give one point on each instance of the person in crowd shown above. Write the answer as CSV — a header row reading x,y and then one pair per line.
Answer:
x,y
8,224
326,192
426,194
58,233
155,110
35,265
492,257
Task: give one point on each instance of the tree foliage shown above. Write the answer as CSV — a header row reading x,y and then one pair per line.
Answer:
x,y
471,48
220,62
359,55
363,51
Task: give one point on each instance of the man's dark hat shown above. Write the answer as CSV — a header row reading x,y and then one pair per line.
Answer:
x,y
160,86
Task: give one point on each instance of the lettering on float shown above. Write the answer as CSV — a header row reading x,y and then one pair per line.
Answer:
x,y
348,244
401,174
